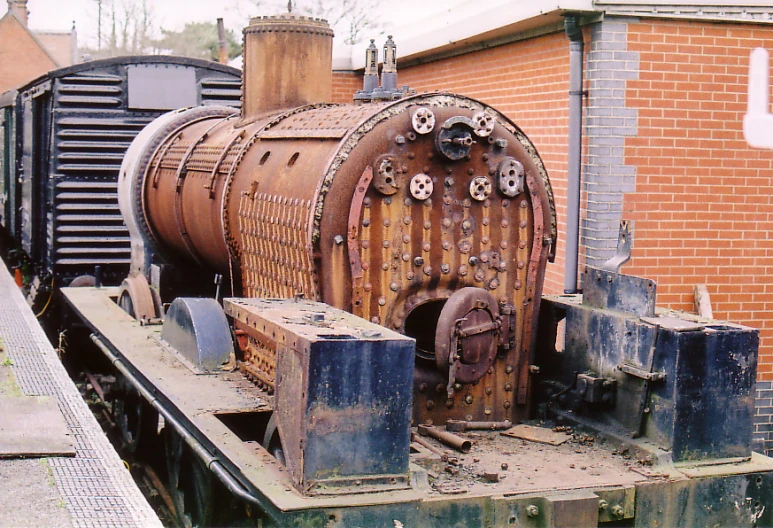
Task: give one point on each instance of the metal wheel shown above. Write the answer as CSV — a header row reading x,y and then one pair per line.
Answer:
x,y
137,420
191,484
136,298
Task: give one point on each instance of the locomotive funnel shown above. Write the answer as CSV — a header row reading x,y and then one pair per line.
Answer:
x,y
287,63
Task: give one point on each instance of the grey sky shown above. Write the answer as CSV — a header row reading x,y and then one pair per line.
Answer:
x,y
173,14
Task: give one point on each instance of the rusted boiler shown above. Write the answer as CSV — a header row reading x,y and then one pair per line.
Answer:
x,y
430,214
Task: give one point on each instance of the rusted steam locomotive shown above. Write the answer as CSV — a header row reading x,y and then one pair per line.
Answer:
x,y
428,216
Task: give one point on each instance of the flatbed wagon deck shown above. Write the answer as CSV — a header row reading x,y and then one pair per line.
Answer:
x,y
501,481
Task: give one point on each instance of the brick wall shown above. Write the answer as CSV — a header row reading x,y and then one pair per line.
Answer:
x,y
703,202
21,58
344,85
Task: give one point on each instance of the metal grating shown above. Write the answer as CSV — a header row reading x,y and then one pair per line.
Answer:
x,y
96,487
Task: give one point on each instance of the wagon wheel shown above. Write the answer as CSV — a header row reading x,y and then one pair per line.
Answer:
x,y
137,420
136,298
191,484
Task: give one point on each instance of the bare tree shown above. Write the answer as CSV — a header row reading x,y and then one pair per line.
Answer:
x,y
348,18
129,30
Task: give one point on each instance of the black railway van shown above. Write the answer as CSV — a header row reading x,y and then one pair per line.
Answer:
x,y
63,137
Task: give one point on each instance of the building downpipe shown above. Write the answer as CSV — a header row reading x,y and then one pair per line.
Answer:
x,y
574,164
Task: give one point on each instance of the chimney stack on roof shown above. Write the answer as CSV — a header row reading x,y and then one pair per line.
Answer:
x,y
19,8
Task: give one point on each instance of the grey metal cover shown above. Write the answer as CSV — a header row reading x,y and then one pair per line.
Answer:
x,y
161,87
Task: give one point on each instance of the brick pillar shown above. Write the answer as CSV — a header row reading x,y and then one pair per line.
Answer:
x,y
608,122
19,8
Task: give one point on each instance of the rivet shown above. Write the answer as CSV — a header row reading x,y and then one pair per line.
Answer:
x,y
381,301
506,404
449,403
365,265
387,222
501,143
446,222
467,224
470,171
473,260
517,285
493,284
485,156
505,223
407,220
393,286
465,246
427,224
503,266
445,268
409,275
385,243
447,245
365,244
467,202
426,247
449,170
388,200
522,225
449,182
407,202
365,222
418,261
487,203
385,266
508,387
411,155
484,258
425,169
428,270
457,387
430,405
503,244
489,391
480,275
522,244
447,200
524,204
406,239
509,369
375,319
468,399
400,140
485,240
366,202
485,221
367,287
505,203
521,264
462,270
406,257
428,202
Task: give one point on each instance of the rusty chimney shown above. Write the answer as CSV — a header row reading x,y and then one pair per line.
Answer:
x,y
19,8
288,62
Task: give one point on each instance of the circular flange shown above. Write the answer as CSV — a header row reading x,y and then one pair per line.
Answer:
x,y
421,186
480,188
423,121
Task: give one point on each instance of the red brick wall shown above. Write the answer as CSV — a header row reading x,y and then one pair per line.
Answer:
x,y
21,58
528,81
703,206
344,86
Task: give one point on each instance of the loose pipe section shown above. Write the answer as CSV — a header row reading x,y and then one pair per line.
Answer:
x,y
576,44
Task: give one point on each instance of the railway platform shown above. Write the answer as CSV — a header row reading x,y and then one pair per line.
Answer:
x,y
57,467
